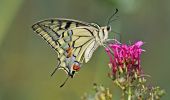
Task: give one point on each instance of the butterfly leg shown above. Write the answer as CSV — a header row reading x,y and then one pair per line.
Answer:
x,y
58,65
106,46
114,40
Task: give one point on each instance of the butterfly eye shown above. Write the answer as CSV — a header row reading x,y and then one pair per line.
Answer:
x,y
108,28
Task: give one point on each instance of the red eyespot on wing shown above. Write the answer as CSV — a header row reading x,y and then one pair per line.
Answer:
x,y
76,67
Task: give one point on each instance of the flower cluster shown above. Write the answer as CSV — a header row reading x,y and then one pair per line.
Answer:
x,y
125,62
125,58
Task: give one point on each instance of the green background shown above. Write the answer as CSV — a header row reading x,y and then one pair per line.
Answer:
x,y
26,60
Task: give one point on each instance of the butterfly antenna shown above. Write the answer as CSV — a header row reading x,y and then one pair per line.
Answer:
x,y
113,20
110,18
56,68
64,81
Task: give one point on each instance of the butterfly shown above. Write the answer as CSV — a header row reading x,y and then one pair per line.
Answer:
x,y
74,41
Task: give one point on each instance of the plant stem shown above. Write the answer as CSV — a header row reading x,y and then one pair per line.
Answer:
x,y
129,93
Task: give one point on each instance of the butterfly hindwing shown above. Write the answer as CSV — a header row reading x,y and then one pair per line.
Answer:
x,y
75,52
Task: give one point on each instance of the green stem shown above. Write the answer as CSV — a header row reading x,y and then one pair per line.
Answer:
x,y
129,93
119,85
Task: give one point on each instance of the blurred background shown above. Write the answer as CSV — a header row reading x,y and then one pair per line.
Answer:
x,y
26,60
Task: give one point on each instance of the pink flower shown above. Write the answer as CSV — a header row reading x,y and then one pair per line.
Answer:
x,y
124,56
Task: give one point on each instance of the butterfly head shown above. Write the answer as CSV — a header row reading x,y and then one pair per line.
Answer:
x,y
103,34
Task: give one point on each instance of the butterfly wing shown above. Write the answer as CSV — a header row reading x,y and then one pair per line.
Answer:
x,y
73,40
52,29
